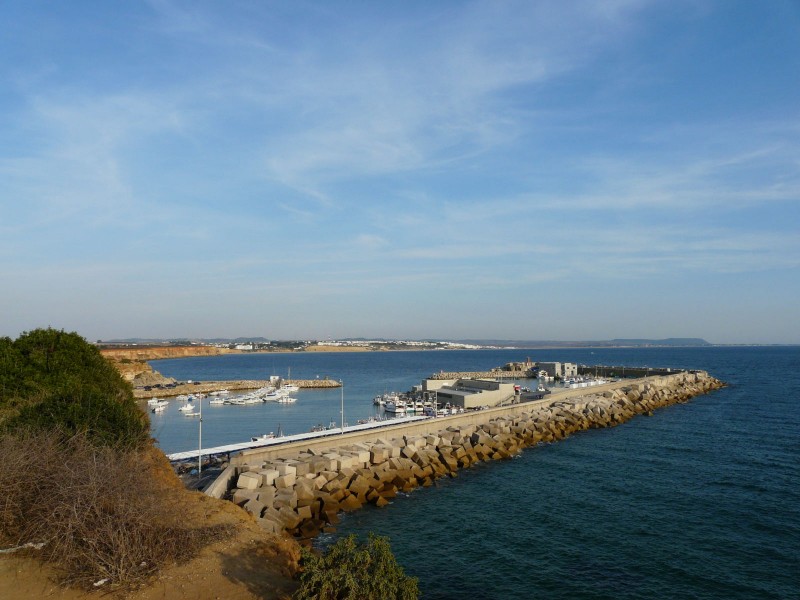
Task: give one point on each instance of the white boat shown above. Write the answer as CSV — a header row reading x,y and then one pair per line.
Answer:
x,y
287,399
187,408
263,438
383,399
397,407
153,401
217,400
289,388
159,406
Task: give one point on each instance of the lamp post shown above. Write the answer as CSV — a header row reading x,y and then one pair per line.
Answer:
x,y
341,384
200,443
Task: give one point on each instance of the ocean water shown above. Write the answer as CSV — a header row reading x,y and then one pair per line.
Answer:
x,y
702,500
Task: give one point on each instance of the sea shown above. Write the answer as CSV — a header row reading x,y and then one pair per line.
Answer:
x,y
701,500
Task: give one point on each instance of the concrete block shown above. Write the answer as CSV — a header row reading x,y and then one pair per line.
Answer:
x,y
267,494
350,503
269,476
255,507
378,455
285,497
242,496
290,518
285,481
286,469
301,467
249,480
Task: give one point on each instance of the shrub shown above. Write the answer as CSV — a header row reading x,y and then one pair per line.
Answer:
x,y
98,512
52,380
352,571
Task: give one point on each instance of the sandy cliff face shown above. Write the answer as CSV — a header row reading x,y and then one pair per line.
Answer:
x,y
131,362
144,353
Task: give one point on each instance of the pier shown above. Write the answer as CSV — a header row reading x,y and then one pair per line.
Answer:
x,y
289,439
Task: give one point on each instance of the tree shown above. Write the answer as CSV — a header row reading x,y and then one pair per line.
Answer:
x,y
352,571
52,380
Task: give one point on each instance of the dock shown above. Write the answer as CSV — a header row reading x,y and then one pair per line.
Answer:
x,y
299,437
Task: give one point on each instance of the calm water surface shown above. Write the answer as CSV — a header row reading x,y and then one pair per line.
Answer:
x,y
701,500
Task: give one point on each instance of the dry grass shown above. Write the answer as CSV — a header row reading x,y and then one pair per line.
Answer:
x,y
102,514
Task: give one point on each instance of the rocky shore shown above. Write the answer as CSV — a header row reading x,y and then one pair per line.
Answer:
x,y
302,493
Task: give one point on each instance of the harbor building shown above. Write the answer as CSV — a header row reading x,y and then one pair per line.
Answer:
x,y
557,369
470,393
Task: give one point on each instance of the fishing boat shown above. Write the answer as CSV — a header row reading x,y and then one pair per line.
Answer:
x,y
397,407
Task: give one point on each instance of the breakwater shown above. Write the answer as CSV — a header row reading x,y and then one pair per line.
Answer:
x,y
206,387
301,489
493,374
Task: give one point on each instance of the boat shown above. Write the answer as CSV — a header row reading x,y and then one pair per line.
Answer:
x,y
397,407
158,406
263,438
287,399
321,427
217,400
187,408
289,388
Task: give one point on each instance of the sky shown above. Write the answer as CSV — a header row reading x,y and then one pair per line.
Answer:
x,y
547,170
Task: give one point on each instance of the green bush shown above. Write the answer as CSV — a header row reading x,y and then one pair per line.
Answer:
x,y
52,380
352,571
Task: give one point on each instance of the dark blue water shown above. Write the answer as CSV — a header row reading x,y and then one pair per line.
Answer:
x,y
701,500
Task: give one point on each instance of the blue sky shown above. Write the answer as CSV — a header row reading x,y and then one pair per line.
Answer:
x,y
516,170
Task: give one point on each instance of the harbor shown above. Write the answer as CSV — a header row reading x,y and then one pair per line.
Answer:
x,y
300,486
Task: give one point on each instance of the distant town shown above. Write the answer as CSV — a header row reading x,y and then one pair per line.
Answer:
x,y
260,344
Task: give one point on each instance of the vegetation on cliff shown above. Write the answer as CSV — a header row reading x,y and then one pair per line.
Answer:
x,y
55,381
80,481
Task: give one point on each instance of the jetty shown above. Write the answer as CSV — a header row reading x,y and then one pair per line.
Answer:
x,y
300,486
206,387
